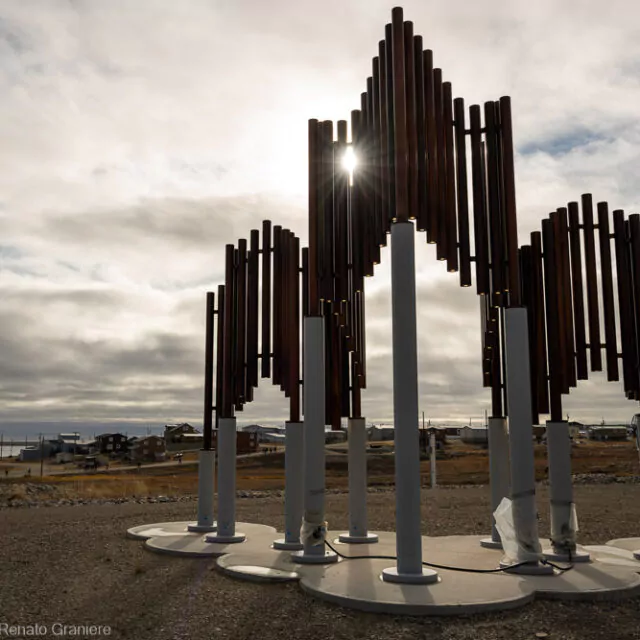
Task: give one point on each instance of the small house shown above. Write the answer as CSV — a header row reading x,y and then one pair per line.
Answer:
x,y
148,449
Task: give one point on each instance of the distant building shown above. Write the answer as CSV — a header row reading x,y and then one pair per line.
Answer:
x,y
245,442
607,432
111,443
148,449
263,433
334,436
474,435
380,433
174,433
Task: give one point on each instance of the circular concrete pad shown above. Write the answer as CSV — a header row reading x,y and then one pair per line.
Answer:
x,y
259,538
613,555
630,544
370,538
357,584
259,566
146,531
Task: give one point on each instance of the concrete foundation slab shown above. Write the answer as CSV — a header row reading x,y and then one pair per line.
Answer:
x,y
630,544
259,538
614,556
146,531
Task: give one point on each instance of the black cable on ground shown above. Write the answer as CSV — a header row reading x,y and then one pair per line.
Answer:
x,y
447,568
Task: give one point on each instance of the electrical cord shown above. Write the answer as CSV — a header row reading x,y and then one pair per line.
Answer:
x,y
448,568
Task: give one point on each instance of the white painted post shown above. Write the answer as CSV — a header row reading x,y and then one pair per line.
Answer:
x,y
206,471
432,465
523,479
498,474
358,533
409,568
294,487
226,444
312,534
563,533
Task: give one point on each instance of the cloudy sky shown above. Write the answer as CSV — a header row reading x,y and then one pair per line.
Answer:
x,y
140,136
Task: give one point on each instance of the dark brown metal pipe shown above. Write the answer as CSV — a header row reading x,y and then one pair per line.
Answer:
x,y
412,125
400,116
582,369
208,371
265,361
592,283
462,192
450,182
611,342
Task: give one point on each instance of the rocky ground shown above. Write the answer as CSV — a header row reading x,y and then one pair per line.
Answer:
x,y
73,565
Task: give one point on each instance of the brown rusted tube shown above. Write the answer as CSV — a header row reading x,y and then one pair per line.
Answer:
x,y
625,301
592,283
540,324
441,163
432,149
313,219
528,300
265,362
228,389
305,282
207,427
462,192
327,196
509,183
611,342
341,225
450,186
277,305
412,125
566,298
219,353
497,406
496,221
391,147
363,190
241,303
383,127
479,203
582,370
421,135
378,237
555,350
400,116
356,396
356,235
253,267
634,236
294,330
373,93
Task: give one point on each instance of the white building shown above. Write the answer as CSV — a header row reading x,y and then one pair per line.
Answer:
x,y
474,435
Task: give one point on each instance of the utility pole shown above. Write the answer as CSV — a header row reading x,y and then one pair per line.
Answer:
x,y
41,455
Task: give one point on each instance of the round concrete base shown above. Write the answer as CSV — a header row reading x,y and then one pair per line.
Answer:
x,y
146,531
345,538
490,543
283,545
327,557
234,539
528,569
202,528
630,544
428,576
579,555
260,574
259,538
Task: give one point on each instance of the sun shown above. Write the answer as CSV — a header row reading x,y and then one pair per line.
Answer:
x,y
349,160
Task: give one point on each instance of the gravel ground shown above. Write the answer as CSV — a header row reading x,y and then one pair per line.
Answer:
x,y
73,565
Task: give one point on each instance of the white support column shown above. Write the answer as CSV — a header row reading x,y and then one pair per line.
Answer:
x,y
227,438
498,474
523,479
206,474
294,487
563,520
313,531
409,568
358,533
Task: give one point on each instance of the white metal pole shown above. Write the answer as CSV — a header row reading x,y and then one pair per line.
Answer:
x,y
226,531
313,529
498,473
409,568
523,479
563,521
432,445
357,485
206,475
294,487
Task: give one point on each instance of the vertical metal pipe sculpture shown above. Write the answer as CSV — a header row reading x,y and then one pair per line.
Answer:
x,y
592,283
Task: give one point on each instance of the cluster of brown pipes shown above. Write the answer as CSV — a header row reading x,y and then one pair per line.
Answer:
x,y
413,149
